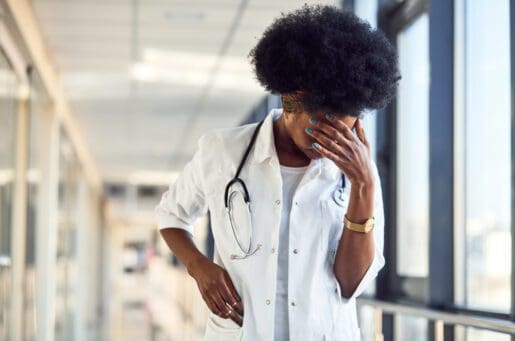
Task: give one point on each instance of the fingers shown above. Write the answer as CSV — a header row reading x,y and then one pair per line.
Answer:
x,y
219,300
326,141
231,295
342,128
327,153
333,131
213,306
236,317
220,295
232,300
228,310
225,312
224,301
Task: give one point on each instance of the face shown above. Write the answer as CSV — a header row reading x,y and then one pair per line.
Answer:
x,y
297,122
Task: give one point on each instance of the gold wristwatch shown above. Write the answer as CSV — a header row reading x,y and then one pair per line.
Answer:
x,y
363,228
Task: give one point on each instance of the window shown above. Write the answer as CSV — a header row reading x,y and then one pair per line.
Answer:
x,y
484,278
413,150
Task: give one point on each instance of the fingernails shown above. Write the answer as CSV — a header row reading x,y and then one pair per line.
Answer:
x,y
309,130
329,116
315,145
312,120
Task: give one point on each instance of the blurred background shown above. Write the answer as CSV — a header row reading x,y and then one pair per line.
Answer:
x,y
102,103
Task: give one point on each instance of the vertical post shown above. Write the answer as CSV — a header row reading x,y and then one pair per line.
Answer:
x,y
438,330
441,158
512,81
19,214
378,324
46,240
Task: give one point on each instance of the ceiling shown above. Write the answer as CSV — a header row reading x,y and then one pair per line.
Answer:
x,y
146,78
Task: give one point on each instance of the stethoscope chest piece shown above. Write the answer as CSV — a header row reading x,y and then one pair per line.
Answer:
x,y
339,196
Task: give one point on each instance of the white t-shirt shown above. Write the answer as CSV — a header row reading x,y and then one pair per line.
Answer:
x,y
291,178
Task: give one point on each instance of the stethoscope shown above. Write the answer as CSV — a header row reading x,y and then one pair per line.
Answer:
x,y
338,197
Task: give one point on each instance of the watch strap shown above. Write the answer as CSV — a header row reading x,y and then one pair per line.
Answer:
x,y
363,228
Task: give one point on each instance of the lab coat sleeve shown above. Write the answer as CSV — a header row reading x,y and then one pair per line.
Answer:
x,y
184,201
378,261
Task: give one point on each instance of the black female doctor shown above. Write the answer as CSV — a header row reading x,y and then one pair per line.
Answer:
x,y
328,66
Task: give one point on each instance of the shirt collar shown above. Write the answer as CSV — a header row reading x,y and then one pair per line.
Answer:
x,y
265,147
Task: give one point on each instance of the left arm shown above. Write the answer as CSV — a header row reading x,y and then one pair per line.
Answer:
x,y
355,251
357,259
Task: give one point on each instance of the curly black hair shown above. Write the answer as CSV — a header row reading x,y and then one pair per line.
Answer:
x,y
335,58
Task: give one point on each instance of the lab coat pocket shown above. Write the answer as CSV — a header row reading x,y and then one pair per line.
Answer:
x,y
222,329
332,221
332,224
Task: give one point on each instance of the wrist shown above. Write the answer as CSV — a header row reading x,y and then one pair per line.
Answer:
x,y
363,186
195,263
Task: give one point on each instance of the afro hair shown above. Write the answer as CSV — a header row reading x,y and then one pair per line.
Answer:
x,y
338,62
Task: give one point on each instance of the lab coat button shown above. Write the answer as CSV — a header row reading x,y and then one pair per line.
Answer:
x,y
273,249
278,202
295,251
292,303
267,301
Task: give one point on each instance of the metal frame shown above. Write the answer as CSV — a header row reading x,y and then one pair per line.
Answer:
x,y
438,317
441,165
512,81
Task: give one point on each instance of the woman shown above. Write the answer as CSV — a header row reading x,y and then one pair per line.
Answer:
x,y
291,266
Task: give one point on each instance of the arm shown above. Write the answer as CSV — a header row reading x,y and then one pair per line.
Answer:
x,y
359,257
178,210
355,250
183,247
181,206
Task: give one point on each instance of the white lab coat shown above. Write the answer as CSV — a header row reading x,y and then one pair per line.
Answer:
x,y
318,311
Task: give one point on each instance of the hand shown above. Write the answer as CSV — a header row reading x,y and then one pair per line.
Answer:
x,y
217,290
348,150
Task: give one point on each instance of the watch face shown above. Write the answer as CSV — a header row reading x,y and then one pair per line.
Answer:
x,y
370,225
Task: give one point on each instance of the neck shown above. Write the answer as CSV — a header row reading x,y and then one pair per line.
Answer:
x,y
283,141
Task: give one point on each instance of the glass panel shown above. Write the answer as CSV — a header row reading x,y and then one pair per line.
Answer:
x,y
487,155
413,150
462,333
8,107
408,328
66,269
